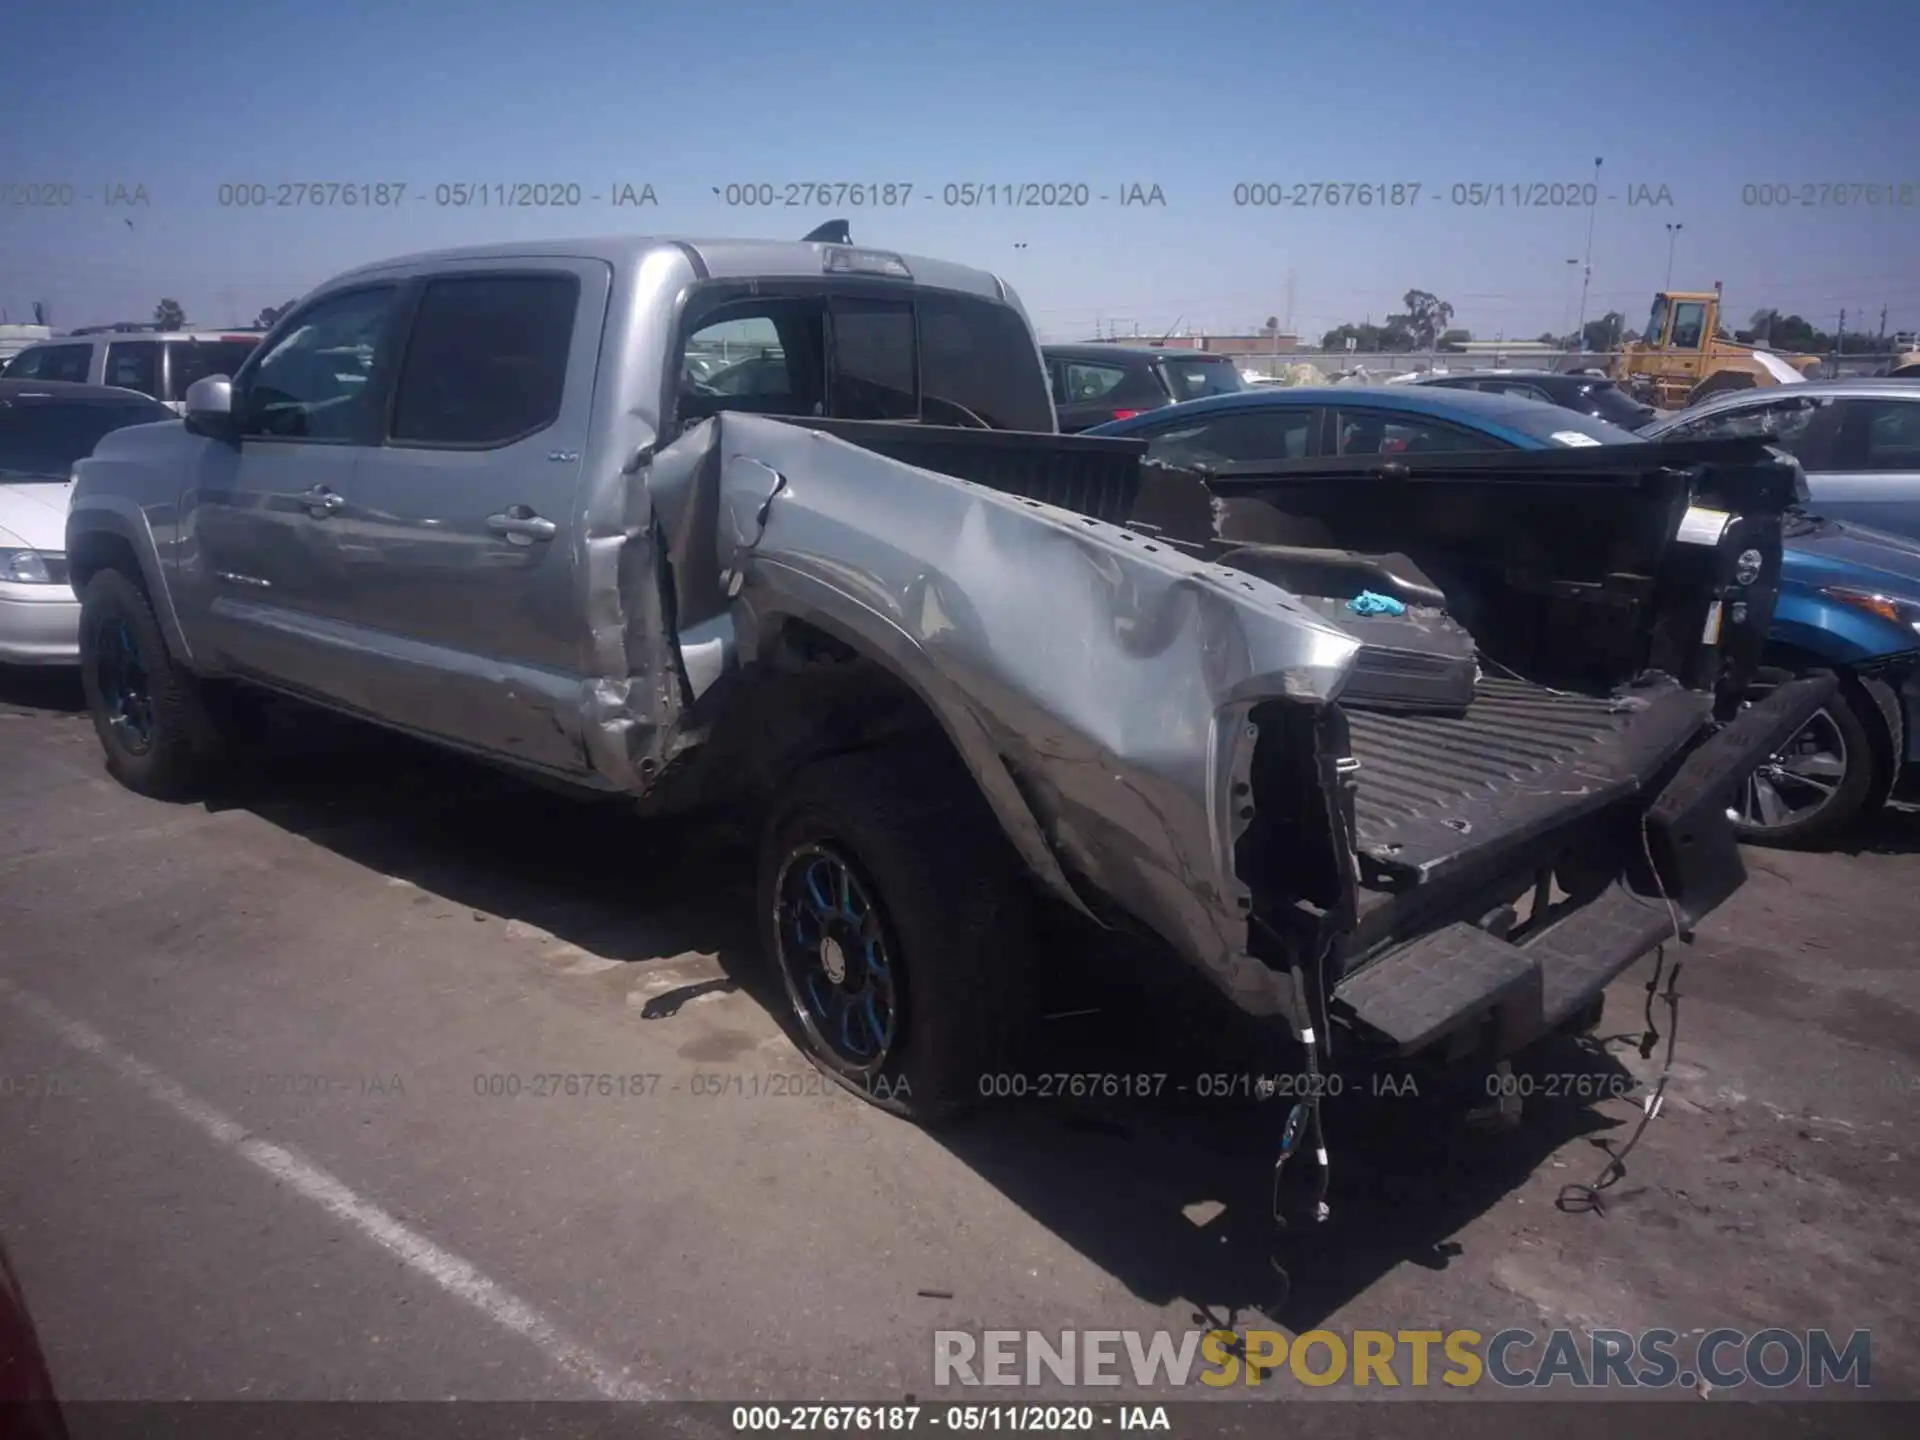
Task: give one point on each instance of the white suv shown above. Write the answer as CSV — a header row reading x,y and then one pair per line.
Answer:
x,y
160,363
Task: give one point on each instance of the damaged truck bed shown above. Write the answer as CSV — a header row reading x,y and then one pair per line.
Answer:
x,y
1170,736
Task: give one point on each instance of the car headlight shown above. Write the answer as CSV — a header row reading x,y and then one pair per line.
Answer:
x,y
1887,607
27,567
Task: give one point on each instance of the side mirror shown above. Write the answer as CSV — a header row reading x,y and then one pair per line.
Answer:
x,y
209,407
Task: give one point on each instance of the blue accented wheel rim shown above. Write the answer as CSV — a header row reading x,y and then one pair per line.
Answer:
x,y
125,690
835,960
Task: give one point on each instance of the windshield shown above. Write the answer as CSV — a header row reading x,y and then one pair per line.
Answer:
x,y
1193,379
41,440
1656,322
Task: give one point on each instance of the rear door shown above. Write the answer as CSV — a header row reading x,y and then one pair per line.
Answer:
x,y
1872,475
450,585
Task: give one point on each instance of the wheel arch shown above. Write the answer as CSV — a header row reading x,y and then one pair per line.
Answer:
x,y
103,537
860,689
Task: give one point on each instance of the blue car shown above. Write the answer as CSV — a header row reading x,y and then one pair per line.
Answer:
x,y
1849,600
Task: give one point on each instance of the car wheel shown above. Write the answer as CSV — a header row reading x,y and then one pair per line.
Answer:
x,y
146,710
900,924
1816,784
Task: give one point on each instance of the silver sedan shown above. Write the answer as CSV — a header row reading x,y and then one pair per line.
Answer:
x,y
1858,440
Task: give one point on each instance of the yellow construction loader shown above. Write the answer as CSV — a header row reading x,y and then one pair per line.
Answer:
x,y
1681,359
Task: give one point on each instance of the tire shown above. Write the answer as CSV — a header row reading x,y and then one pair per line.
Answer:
x,y
1848,721
159,737
935,881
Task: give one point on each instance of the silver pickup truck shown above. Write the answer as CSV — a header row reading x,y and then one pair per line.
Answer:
x,y
1411,755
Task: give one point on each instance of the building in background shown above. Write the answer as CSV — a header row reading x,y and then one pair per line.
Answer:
x,y
1265,344
15,338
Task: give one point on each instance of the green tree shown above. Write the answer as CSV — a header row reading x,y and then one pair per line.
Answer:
x,y
1604,333
1426,319
169,316
270,315
1455,340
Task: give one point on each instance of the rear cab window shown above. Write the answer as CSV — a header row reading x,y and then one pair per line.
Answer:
x,y
912,356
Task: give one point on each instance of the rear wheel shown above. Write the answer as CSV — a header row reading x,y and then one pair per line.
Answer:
x,y
151,719
900,925
1817,783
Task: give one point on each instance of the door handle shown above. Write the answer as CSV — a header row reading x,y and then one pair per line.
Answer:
x,y
521,526
322,502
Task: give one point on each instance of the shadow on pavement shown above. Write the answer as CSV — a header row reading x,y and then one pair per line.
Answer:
x,y
41,688
1170,1193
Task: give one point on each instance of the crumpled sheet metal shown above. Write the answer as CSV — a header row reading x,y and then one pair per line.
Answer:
x,y
1097,683
630,712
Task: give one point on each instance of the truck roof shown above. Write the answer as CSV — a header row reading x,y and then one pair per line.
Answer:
x,y
721,259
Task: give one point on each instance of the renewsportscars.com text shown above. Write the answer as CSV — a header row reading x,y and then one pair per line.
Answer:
x,y
1649,1359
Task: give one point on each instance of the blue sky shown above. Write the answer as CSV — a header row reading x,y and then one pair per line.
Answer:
x,y
1701,99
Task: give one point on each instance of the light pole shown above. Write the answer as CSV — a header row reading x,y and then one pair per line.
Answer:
x,y
1673,234
1568,308
1592,211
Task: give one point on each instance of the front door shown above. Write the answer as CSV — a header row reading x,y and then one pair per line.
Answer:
x,y
457,550
260,510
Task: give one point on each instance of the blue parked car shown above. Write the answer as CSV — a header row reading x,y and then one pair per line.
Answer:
x,y
1849,601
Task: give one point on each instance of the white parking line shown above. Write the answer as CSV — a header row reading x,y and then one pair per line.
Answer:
x,y
445,1269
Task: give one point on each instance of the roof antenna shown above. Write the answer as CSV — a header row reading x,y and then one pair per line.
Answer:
x,y
834,232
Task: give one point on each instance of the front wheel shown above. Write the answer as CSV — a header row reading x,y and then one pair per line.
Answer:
x,y
1816,784
899,923
152,721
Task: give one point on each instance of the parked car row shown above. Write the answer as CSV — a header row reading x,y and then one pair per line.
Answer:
x,y
159,364
1850,594
45,430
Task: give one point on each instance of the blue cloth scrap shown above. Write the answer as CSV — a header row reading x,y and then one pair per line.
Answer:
x,y
1368,603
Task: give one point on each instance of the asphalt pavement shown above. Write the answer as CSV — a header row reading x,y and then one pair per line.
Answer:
x,y
384,1077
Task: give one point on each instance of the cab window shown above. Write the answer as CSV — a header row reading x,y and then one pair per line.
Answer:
x,y
1689,325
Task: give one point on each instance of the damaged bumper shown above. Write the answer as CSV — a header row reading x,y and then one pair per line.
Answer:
x,y
1487,979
